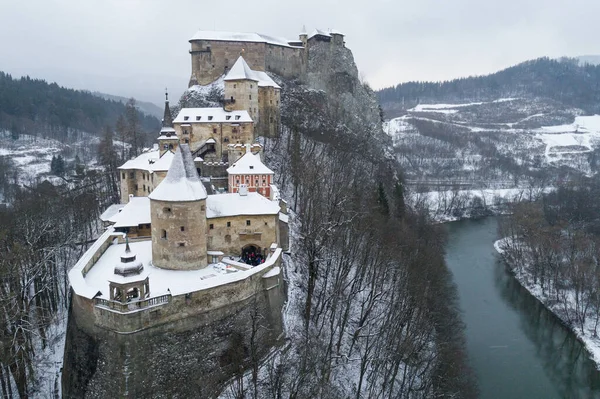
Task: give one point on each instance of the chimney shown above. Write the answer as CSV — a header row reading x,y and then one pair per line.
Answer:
x,y
248,148
243,189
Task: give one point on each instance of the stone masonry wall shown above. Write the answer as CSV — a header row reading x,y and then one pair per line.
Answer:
x,y
262,232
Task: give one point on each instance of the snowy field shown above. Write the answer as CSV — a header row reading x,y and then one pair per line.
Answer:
x,y
591,343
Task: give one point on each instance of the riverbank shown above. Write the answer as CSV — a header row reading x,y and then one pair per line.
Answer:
x,y
585,335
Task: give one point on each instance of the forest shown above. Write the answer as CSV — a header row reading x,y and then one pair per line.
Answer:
x,y
554,244
36,107
564,80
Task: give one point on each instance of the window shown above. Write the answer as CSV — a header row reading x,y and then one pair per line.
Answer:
x,y
250,96
182,228
210,117
251,166
198,118
237,117
185,118
181,244
214,130
187,141
123,175
132,175
144,188
166,146
237,182
226,140
167,210
234,86
228,224
234,130
266,224
228,117
271,101
228,239
264,182
251,86
211,226
202,208
247,223
163,234
136,187
185,131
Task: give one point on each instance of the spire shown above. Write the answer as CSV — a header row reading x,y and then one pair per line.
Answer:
x,y
127,249
167,118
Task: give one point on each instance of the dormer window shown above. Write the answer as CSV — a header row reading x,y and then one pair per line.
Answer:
x,y
251,166
210,117
237,117
185,118
228,117
198,118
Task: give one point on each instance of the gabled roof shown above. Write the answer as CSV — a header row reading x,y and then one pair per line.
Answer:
x,y
182,182
211,115
249,164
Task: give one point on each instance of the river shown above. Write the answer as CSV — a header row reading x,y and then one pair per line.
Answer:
x,y
517,348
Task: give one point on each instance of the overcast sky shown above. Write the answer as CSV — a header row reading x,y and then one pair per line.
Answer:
x,y
137,47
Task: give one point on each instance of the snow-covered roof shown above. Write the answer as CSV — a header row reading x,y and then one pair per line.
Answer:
x,y
249,164
234,204
211,115
335,32
319,32
150,161
240,37
110,212
167,129
241,71
182,182
134,213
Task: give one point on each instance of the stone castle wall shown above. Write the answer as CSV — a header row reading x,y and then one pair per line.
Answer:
x,y
138,183
269,112
184,224
262,232
192,356
213,58
223,133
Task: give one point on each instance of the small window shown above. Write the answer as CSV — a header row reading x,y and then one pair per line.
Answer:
x,y
187,141
214,130
250,96
181,244
266,224
198,118
211,226
228,117
131,175
185,118
237,117
136,187
237,182
210,117
226,140
144,188
251,86
163,234
202,208
247,223
167,210
228,224
251,166
123,175
185,131
234,86
182,228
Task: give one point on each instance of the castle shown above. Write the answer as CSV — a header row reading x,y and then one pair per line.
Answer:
x,y
201,225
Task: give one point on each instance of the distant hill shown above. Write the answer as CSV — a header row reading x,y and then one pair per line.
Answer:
x,y
565,81
34,106
148,108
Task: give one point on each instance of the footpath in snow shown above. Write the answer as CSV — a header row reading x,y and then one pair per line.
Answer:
x,y
587,337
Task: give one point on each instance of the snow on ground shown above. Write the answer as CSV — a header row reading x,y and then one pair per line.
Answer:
x,y
591,343
578,137
450,108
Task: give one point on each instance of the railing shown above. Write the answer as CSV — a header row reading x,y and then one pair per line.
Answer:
x,y
132,306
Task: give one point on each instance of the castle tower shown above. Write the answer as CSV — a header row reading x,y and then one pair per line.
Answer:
x,y
168,139
241,89
304,37
178,216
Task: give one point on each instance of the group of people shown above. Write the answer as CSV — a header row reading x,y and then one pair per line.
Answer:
x,y
252,257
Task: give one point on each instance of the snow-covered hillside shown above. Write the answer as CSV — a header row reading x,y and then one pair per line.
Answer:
x,y
506,140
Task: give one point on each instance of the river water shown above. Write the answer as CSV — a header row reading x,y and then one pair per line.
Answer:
x,y
517,348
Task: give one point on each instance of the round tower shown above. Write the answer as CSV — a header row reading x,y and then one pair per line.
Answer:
x,y
178,216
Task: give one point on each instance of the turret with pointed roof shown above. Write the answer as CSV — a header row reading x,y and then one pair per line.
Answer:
x,y
178,216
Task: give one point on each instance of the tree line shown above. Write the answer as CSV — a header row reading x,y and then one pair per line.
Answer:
x,y
33,106
563,80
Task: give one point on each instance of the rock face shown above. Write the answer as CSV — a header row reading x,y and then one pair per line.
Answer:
x,y
191,358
